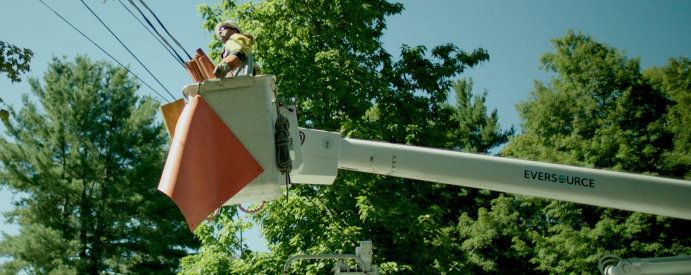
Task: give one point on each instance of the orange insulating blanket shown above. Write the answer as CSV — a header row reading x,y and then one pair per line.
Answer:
x,y
206,165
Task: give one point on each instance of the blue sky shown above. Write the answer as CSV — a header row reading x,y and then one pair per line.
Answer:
x,y
515,33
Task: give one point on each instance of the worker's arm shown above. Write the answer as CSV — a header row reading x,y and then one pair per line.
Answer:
x,y
234,60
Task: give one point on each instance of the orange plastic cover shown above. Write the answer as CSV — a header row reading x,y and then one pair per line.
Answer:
x,y
206,165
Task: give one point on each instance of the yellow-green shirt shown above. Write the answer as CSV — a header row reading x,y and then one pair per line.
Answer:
x,y
239,43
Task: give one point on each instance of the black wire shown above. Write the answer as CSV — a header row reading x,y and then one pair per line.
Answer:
x,y
152,34
128,50
104,51
155,30
164,28
334,214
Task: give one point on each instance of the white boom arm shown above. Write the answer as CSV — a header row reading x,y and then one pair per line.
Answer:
x,y
633,192
647,266
639,193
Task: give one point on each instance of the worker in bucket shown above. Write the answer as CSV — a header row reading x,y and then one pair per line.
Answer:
x,y
236,56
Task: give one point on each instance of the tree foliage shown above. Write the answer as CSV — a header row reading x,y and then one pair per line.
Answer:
x,y
328,57
600,110
88,159
476,131
13,61
674,80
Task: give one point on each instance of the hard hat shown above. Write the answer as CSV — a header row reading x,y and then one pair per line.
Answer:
x,y
227,23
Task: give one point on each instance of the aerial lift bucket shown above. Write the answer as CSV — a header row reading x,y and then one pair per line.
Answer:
x,y
244,109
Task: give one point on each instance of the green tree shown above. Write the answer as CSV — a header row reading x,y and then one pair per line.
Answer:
x,y
13,61
476,132
88,159
600,111
674,80
328,57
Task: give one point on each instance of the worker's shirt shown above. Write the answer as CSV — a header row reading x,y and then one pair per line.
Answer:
x,y
239,43
241,46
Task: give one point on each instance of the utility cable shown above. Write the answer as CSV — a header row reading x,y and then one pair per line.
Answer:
x,y
334,216
104,51
164,28
155,30
128,50
152,34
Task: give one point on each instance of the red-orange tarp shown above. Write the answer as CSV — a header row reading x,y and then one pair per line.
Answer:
x,y
206,165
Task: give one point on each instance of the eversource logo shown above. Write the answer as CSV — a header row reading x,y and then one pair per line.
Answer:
x,y
541,175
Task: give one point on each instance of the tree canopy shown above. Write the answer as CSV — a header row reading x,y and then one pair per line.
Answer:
x,y
88,157
328,58
600,110
674,79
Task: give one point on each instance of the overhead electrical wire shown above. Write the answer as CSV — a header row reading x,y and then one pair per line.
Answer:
x,y
164,28
149,30
334,214
128,50
155,30
104,51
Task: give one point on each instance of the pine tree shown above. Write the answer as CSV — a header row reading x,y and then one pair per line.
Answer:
x,y
88,157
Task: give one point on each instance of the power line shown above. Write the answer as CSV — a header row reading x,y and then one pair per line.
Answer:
x,y
128,50
154,28
104,51
150,32
164,28
334,214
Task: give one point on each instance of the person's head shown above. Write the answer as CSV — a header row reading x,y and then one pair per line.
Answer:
x,y
225,29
